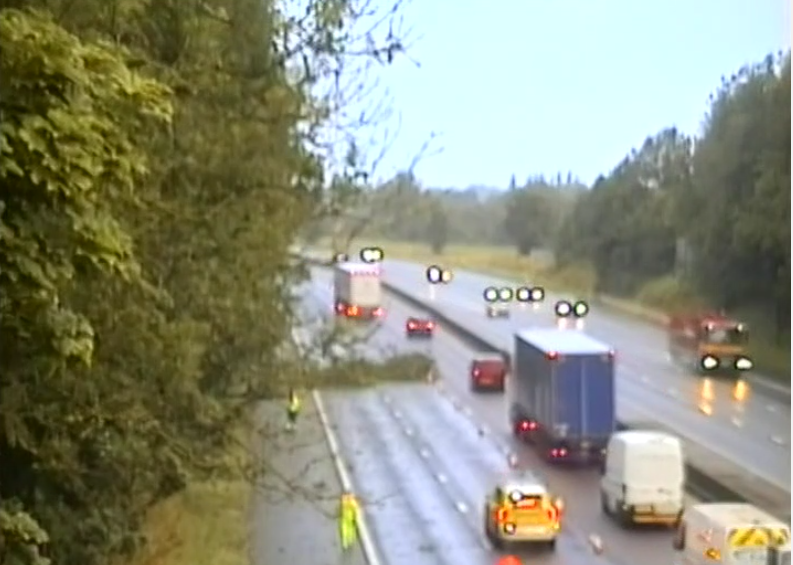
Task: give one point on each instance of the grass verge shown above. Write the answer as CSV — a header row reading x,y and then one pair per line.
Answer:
x,y
580,279
206,524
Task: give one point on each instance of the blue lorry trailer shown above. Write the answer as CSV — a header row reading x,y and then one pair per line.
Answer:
x,y
562,393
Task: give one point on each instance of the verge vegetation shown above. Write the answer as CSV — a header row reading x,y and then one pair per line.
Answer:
x,y
157,161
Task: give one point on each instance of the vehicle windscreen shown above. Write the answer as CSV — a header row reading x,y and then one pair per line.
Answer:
x,y
489,366
725,336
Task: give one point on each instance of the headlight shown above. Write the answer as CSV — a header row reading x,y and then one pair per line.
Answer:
x,y
516,496
743,364
580,309
563,308
709,362
490,294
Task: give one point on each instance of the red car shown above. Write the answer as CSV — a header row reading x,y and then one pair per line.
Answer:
x,y
489,373
419,327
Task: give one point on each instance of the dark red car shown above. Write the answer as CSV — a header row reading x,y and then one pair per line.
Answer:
x,y
419,327
489,373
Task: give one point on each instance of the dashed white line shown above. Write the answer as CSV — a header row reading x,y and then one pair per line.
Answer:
x,y
397,414
770,408
462,507
671,392
736,421
467,411
778,440
442,479
424,453
409,431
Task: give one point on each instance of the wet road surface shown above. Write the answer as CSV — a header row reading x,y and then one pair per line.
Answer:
x,y
293,507
747,425
423,458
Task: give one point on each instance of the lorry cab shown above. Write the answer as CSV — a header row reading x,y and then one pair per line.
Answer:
x,y
710,342
643,477
520,509
729,533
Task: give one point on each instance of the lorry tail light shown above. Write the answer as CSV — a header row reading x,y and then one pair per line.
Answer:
x,y
352,310
475,372
430,325
339,307
552,355
411,326
378,312
558,452
553,514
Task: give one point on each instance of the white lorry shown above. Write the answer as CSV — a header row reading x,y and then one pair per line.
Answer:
x,y
731,533
357,291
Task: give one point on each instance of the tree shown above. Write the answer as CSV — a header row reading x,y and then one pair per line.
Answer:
x,y
158,159
437,228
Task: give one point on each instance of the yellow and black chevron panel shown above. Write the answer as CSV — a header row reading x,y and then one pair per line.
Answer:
x,y
754,536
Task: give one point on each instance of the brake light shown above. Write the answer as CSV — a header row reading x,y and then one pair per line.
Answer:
x,y
553,514
552,355
430,325
352,310
475,372
527,425
559,452
411,326
502,515
339,307
378,312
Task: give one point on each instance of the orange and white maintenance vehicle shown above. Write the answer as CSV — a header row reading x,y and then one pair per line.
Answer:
x,y
710,343
730,533
357,291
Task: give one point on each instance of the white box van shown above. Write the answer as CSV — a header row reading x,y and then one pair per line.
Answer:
x,y
643,477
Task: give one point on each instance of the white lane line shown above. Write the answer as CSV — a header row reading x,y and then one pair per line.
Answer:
x,y
442,479
367,541
771,408
671,391
778,440
397,414
409,432
736,421
424,453
462,507
467,411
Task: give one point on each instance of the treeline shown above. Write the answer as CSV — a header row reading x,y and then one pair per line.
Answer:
x,y
679,219
157,164
709,216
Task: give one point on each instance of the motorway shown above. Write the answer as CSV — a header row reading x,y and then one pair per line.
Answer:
x,y
422,458
748,426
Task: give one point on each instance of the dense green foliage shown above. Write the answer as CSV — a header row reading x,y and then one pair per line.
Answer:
x,y
712,213
157,161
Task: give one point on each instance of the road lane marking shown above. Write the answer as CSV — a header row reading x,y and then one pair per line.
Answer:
x,y
368,546
397,414
778,440
409,432
442,479
424,453
462,507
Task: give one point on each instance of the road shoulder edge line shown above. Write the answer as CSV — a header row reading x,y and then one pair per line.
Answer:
x,y
367,544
